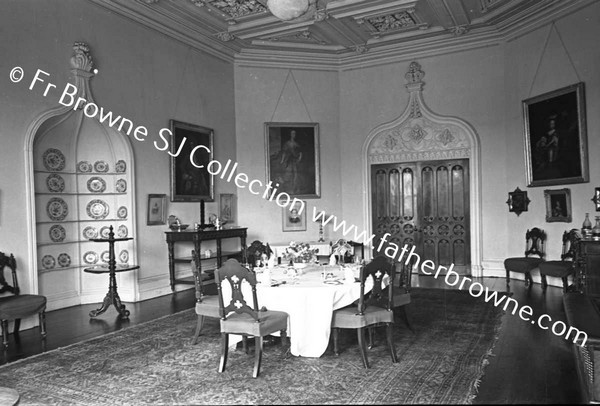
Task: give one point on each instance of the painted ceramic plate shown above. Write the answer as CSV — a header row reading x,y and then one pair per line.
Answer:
x,y
97,209
57,209
122,212
101,166
54,160
104,232
122,231
57,233
64,259
105,256
90,232
90,257
96,184
124,256
48,262
120,166
121,186
55,183
84,166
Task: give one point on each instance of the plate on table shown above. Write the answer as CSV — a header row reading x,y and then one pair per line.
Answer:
x,y
90,232
57,209
120,166
64,260
54,160
105,232
48,262
57,233
55,183
121,186
84,166
122,231
105,256
96,184
122,212
90,257
101,166
97,209
124,256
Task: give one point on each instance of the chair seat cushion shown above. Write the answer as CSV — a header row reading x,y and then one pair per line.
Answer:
x,y
242,323
18,307
401,299
348,317
208,307
522,264
559,269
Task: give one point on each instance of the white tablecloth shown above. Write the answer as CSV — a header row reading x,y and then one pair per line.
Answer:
x,y
310,303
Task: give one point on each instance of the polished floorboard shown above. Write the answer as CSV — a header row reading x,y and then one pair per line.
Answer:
x,y
529,365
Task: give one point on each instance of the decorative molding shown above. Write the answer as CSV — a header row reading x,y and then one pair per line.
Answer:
x,y
81,58
225,36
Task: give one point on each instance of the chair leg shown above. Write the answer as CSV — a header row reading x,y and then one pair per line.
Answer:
x,y
258,349
406,316
42,317
17,327
224,350
4,324
284,341
565,281
362,346
371,335
507,280
245,344
199,325
544,282
528,279
336,332
390,341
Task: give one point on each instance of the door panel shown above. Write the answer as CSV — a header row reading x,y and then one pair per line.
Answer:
x,y
424,204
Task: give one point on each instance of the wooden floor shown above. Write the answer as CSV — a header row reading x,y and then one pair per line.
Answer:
x,y
529,365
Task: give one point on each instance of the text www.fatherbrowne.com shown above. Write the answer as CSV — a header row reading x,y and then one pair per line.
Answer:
x,y
452,278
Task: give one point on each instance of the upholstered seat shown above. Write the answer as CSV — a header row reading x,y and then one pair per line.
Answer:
x,y
565,267
534,256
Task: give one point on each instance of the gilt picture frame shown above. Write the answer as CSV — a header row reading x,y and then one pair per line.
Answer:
x,y
227,207
558,205
157,209
518,202
292,155
293,217
192,146
556,137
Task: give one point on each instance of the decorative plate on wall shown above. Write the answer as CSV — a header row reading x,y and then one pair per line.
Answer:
x,y
90,257
96,184
57,233
105,256
55,183
122,212
84,166
64,259
122,231
48,262
100,166
104,232
121,186
97,209
124,256
120,166
90,232
53,159
57,209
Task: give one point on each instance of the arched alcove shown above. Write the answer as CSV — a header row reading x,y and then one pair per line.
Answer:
x,y
419,134
80,182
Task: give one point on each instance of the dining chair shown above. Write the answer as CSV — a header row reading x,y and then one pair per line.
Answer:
x,y
373,309
16,306
401,297
239,317
565,266
206,305
534,255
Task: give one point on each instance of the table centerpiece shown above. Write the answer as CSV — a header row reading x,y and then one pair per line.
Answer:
x,y
300,254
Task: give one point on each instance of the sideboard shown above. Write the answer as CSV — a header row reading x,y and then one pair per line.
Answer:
x,y
197,237
587,267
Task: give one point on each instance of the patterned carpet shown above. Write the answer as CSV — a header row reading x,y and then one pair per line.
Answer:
x,y
154,363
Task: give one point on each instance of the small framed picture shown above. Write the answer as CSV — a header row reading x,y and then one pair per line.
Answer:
x,y
518,202
294,217
596,198
157,210
226,207
558,205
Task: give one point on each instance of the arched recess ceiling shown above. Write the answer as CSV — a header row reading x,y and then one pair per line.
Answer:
x,y
80,178
419,134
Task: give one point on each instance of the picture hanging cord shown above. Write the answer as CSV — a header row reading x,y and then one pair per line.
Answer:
x,y
290,73
553,25
181,83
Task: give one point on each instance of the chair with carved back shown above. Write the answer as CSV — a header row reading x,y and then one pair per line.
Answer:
x,y
256,250
565,266
15,306
206,305
534,256
243,318
373,309
401,297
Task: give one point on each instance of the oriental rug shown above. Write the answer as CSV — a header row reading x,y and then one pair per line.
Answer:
x,y
154,363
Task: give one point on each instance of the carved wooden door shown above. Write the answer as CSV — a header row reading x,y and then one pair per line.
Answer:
x,y
425,204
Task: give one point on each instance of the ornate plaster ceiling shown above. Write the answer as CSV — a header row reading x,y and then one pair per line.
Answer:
x,y
340,32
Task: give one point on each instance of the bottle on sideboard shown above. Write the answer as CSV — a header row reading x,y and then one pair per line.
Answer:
x,y
596,229
586,228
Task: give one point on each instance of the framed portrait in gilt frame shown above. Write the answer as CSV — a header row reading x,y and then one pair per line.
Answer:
x,y
294,217
226,207
556,137
292,152
157,209
191,147
558,205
